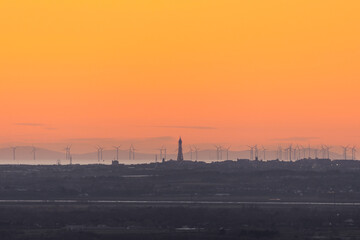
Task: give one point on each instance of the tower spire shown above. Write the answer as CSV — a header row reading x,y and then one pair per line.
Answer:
x,y
180,156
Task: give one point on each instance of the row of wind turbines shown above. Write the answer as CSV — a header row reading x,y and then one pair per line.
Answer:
x,y
162,152
255,153
300,152
100,150
13,149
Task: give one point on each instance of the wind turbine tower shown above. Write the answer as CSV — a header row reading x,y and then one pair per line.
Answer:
x,y
68,153
196,152
328,151
297,149
161,153
286,153
164,149
353,153
191,152
117,152
303,151
296,152
217,152
227,152
251,152
264,152
221,150
14,152
323,152
256,152
100,154
345,148
131,152
290,152
34,153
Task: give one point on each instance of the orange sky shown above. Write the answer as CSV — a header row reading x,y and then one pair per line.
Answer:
x,y
232,72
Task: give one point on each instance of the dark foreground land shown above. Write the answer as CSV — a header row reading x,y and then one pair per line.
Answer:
x,y
126,221
229,200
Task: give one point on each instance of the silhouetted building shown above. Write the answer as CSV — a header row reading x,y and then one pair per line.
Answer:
x,y
180,156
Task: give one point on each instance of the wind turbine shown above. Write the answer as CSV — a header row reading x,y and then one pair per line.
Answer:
x,y
304,151
345,148
227,152
164,149
286,150
251,152
34,152
353,152
14,152
117,152
289,152
299,152
316,153
161,152
220,152
256,152
196,152
328,151
100,154
218,149
68,153
264,152
323,152
132,152
191,152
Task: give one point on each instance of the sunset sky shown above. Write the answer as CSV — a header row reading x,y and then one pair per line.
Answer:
x,y
147,71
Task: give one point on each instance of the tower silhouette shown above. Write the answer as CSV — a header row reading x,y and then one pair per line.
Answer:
x,y
180,156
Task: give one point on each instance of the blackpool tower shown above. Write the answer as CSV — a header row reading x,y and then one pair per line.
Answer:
x,y
180,156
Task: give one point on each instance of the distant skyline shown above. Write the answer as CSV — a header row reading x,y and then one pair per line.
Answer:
x,y
146,72
25,154
152,145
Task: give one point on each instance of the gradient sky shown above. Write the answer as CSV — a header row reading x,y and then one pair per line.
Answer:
x,y
233,72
